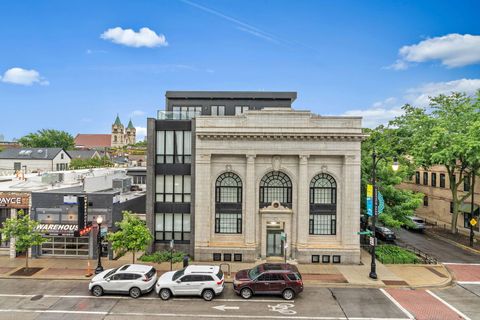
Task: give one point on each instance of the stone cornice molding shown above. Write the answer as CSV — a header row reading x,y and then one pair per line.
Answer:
x,y
281,136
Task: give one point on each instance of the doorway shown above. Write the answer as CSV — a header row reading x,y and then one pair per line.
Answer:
x,y
274,243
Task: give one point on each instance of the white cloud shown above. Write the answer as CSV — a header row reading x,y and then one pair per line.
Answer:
x,y
453,50
23,77
383,111
137,113
141,133
143,38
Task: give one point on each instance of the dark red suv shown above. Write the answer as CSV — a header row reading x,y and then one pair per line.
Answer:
x,y
269,278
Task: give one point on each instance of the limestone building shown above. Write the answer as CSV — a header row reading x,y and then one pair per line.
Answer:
x,y
241,176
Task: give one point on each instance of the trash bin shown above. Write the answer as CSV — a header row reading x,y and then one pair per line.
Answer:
x,y
185,261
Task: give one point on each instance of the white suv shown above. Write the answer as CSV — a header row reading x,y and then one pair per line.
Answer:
x,y
205,281
132,279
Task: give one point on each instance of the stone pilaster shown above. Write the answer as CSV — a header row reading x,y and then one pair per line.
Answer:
x,y
203,187
303,201
250,207
350,215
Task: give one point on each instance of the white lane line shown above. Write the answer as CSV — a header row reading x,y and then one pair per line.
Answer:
x,y
128,298
468,282
395,302
448,305
461,264
184,315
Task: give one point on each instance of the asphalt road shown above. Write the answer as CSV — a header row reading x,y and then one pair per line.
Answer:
x,y
62,299
442,250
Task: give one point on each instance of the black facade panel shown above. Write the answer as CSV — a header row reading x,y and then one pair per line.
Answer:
x,y
172,207
173,168
173,125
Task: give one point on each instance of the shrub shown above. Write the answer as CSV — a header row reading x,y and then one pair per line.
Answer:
x,y
392,254
163,256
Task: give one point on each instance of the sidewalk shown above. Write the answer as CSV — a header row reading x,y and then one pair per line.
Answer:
x,y
413,276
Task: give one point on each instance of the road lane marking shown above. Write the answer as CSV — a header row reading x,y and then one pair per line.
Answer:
x,y
184,315
448,305
468,282
128,298
461,264
395,302
224,307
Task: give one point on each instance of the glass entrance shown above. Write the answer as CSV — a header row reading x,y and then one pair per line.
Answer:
x,y
274,243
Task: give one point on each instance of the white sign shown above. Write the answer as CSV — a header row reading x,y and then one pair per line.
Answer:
x,y
372,241
70,200
56,227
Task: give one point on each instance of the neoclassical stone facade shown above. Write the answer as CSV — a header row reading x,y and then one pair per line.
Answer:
x,y
277,179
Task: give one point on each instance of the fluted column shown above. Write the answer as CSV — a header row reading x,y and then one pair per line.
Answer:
x,y
250,207
303,201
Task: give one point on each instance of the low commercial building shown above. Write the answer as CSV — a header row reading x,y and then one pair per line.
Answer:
x,y
240,176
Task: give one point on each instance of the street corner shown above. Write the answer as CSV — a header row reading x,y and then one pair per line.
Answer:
x,y
464,272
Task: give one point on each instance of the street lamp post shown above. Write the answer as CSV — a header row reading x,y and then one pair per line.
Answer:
x,y
472,209
99,241
375,159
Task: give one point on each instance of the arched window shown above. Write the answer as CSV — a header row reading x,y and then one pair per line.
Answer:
x,y
276,186
228,203
228,188
323,205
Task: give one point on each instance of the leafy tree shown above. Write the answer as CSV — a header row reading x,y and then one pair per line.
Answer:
x,y
48,138
399,204
23,229
133,235
90,163
446,135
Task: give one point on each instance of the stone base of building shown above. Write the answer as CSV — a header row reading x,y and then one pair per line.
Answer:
x,y
328,255
227,254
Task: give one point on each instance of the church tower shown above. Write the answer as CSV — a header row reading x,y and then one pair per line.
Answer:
x,y
130,134
118,133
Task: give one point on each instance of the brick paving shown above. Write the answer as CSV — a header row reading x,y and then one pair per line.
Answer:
x,y
465,272
5,270
422,305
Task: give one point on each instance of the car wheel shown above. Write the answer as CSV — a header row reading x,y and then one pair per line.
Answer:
x,y
246,293
97,291
288,294
165,294
135,292
208,295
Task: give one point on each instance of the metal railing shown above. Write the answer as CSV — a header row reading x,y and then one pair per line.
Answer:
x,y
425,258
177,115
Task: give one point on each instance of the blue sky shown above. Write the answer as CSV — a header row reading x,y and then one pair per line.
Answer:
x,y
74,65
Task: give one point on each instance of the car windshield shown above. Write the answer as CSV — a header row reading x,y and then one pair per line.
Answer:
x,y
178,274
110,273
254,272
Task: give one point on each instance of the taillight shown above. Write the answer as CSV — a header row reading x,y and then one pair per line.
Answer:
x,y
220,282
146,279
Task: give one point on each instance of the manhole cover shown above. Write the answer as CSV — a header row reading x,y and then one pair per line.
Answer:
x,y
37,297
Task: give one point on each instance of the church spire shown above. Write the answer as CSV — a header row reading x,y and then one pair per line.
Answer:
x,y
117,121
130,125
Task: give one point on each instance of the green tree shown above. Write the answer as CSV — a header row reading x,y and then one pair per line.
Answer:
x,y
399,204
48,138
90,163
133,235
446,134
23,229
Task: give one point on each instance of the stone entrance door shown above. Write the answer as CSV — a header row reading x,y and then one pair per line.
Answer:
x,y
274,243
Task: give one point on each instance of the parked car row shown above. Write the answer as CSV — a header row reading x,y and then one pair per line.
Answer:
x,y
199,280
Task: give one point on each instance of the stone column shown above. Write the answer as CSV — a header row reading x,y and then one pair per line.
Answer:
x,y
203,210
303,202
350,202
250,205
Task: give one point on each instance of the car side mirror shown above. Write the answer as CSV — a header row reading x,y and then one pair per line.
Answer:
x,y
178,281
108,279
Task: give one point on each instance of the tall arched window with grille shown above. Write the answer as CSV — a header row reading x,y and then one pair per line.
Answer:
x,y
323,205
275,186
228,203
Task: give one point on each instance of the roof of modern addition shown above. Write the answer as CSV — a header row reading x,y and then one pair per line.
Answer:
x,y
93,140
269,95
30,153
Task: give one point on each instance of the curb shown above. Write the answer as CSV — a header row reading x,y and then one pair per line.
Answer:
x,y
459,245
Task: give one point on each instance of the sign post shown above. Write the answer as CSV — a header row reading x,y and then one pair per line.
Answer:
x,y
171,254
